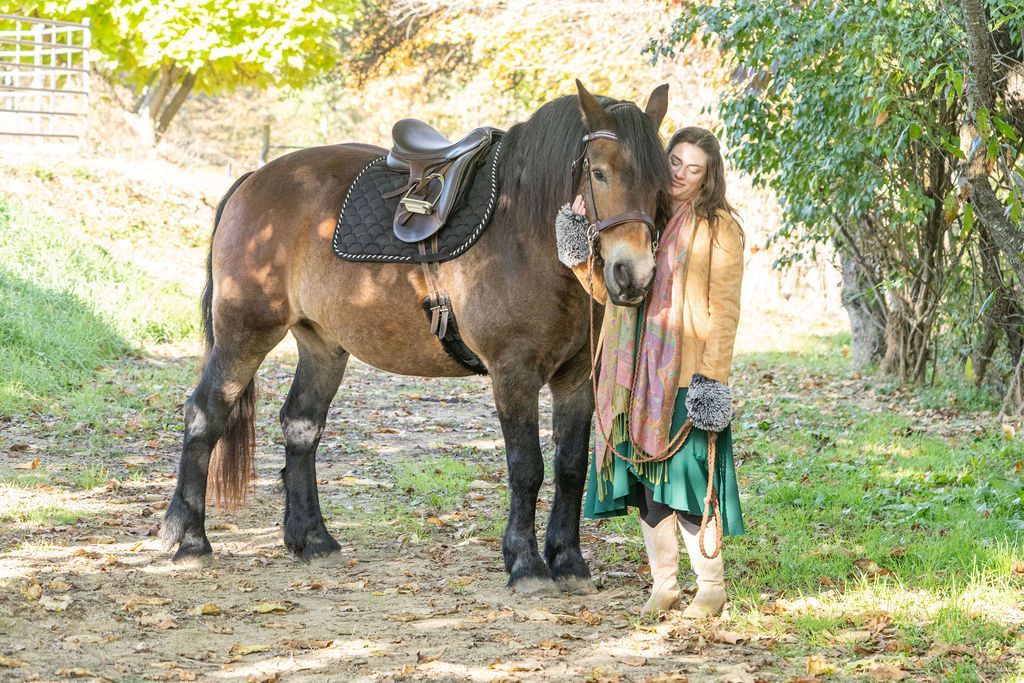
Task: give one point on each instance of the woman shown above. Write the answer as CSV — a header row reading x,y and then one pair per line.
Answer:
x,y
684,350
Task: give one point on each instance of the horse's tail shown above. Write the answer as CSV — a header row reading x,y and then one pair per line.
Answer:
x,y
232,464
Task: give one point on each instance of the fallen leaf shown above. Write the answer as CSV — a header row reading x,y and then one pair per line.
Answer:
x,y
462,581
11,662
268,607
886,672
667,678
58,586
55,604
137,601
27,465
76,672
219,628
728,637
1017,569
207,609
32,591
100,540
403,617
241,649
431,655
819,666
161,622
544,615
588,618
245,586
307,644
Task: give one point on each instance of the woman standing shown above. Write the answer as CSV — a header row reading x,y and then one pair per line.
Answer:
x,y
663,362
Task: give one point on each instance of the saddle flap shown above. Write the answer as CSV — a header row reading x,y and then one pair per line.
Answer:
x,y
436,189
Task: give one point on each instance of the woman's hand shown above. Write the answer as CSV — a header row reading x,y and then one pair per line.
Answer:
x,y
579,207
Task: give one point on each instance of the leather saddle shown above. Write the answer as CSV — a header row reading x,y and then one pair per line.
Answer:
x,y
440,172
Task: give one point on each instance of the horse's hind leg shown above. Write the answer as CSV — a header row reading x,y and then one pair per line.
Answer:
x,y
317,376
516,392
226,383
573,410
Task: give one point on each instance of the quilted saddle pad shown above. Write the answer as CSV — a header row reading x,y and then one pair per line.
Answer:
x,y
364,228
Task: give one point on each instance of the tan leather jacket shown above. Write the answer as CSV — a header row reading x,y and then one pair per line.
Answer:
x,y
711,309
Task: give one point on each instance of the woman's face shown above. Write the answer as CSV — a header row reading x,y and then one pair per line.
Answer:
x,y
689,166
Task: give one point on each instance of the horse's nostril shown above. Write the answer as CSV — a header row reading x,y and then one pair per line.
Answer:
x,y
620,274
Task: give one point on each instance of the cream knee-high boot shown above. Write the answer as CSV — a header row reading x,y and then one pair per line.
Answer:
x,y
710,597
662,542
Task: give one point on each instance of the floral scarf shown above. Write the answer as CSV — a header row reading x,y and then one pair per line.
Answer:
x,y
657,381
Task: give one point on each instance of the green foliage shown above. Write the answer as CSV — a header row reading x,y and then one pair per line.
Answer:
x,y
227,44
831,105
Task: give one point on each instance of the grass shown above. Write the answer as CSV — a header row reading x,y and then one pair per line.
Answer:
x,y
92,477
68,309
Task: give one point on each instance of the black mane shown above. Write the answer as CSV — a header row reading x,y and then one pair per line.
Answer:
x,y
536,173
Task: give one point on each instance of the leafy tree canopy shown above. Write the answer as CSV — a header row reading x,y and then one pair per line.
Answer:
x,y
226,44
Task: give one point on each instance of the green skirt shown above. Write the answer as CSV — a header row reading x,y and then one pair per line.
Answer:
x,y
681,482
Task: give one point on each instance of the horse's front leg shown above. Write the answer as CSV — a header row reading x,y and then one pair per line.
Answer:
x,y
573,410
516,390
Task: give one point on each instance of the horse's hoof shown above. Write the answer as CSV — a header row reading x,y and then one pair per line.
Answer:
x,y
535,585
189,561
334,559
576,585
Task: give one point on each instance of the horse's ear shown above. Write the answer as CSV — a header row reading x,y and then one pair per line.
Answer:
x,y
594,115
657,105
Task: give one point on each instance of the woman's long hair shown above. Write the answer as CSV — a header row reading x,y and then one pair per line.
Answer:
x,y
711,197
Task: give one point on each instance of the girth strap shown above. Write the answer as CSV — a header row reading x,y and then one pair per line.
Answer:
x,y
442,319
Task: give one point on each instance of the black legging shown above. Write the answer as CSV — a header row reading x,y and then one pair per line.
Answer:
x,y
653,513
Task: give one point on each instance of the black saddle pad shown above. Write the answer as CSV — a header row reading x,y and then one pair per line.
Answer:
x,y
364,230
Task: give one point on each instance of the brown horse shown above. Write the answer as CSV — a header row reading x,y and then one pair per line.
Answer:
x,y
271,270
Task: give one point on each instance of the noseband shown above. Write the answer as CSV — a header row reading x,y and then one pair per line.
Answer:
x,y
598,225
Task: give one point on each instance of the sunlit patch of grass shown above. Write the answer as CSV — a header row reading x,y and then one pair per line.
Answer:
x,y
92,477
440,484
28,480
67,307
46,515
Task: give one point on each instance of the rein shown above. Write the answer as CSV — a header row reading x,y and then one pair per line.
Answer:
x,y
711,502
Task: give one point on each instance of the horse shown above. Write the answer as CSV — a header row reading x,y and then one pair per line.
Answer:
x,y
270,270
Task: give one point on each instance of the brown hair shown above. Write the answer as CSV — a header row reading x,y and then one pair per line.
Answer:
x,y
711,196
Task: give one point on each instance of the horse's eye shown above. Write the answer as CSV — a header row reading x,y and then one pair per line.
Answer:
x,y
599,175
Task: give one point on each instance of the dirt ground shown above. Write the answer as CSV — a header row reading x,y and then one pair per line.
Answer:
x,y
419,597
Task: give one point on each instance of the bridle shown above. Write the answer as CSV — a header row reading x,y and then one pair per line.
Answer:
x,y
597,226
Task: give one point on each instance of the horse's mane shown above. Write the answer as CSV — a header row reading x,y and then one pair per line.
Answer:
x,y
536,173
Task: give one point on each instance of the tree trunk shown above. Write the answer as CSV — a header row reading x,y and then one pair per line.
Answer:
x,y
906,345
1007,235
179,98
867,317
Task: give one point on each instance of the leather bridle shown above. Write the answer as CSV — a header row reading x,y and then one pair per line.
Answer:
x,y
597,226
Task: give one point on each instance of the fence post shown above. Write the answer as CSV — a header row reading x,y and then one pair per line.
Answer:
x,y
264,144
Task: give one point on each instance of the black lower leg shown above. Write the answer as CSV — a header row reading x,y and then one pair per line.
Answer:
x,y
516,399
572,412
302,421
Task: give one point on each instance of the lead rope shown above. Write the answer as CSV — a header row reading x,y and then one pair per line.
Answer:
x,y
711,502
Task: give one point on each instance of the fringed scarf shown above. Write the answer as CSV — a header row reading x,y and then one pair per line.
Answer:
x,y
658,374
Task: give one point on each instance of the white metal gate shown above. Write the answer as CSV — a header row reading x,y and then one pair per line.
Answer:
x,y
44,81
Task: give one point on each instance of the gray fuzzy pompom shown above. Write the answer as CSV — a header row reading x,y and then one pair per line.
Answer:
x,y
571,235
709,403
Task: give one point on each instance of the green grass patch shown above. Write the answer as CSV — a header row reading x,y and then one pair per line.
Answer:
x,y
46,515
68,309
440,484
92,477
